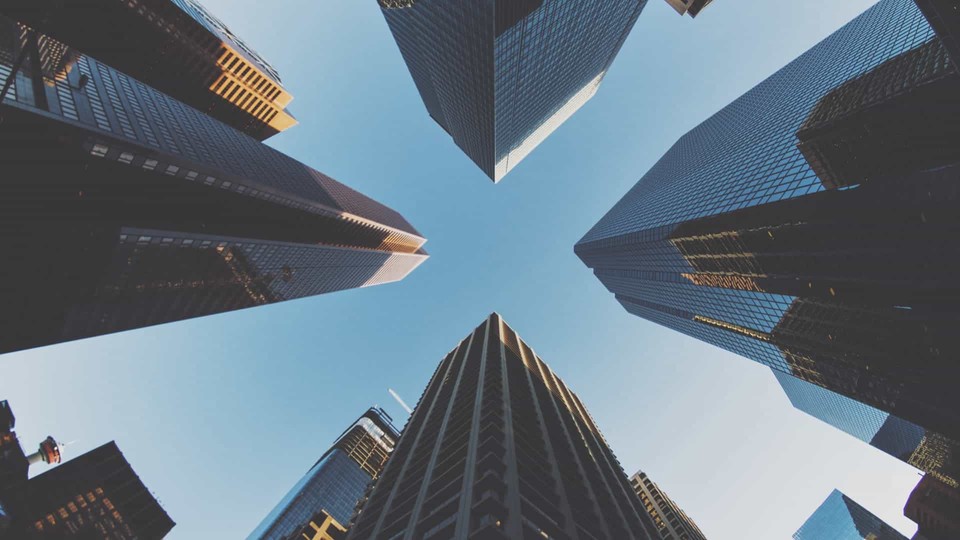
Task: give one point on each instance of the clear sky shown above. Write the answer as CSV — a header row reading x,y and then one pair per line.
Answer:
x,y
221,415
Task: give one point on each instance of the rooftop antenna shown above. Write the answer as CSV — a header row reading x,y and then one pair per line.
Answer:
x,y
400,401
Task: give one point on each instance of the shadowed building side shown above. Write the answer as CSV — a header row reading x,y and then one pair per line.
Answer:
x,y
176,46
123,207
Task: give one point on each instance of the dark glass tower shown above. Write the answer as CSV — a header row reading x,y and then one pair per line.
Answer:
x,y
175,46
671,521
501,75
813,225
500,448
906,441
121,207
337,480
89,494
840,518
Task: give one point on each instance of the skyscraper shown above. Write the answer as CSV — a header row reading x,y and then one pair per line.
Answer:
x,y
121,207
935,507
944,17
689,7
174,46
91,493
321,527
337,480
895,436
671,521
841,518
501,76
811,225
500,448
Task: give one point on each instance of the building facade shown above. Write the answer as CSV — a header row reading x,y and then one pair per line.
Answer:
x,y
841,518
671,521
175,46
95,495
321,526
121,207
337,480
689,7
811,225
500,448
935,507
501,76
928,451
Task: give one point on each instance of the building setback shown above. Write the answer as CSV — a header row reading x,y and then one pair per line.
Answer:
x,y
841,518
812,225
175,46
671,521
906,441
500,448
335,482
121,207
935,507
500,76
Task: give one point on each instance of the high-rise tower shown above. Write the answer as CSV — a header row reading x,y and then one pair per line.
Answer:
x,y
926,450
841,518
337,480
500,448
175,46
121,207
671,521
812,225
501,75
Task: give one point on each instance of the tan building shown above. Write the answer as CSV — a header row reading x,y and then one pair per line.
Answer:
x,y
672,522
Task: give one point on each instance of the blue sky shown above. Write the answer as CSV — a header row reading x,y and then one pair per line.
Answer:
x,y
221,415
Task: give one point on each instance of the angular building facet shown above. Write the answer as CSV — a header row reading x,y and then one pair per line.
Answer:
x,y
121,207
935,507
812,225
175,46
500,76
906,441
500,448
671,521
841,518
336,481
689,7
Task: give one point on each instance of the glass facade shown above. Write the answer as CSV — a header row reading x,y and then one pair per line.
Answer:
x,y
500,76
337,481
500,448
159,212
176,46
811,225
840,518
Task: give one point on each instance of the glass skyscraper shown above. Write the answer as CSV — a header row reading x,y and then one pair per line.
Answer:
x,y
121,207
501,75
175,46
500,448
841,518
337,480
812,225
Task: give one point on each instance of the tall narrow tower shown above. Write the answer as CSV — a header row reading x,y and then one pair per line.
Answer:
x,y
500,448
500,76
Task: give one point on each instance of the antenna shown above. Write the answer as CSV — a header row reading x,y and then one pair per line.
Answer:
x,y
400,401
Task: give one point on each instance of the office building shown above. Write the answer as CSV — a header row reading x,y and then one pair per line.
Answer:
x,y
906,441
174,46
689,7
944,17
935,508
337,480
841,518
500,77
671,521
92,493
121,207
320,527
500,448
812,225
